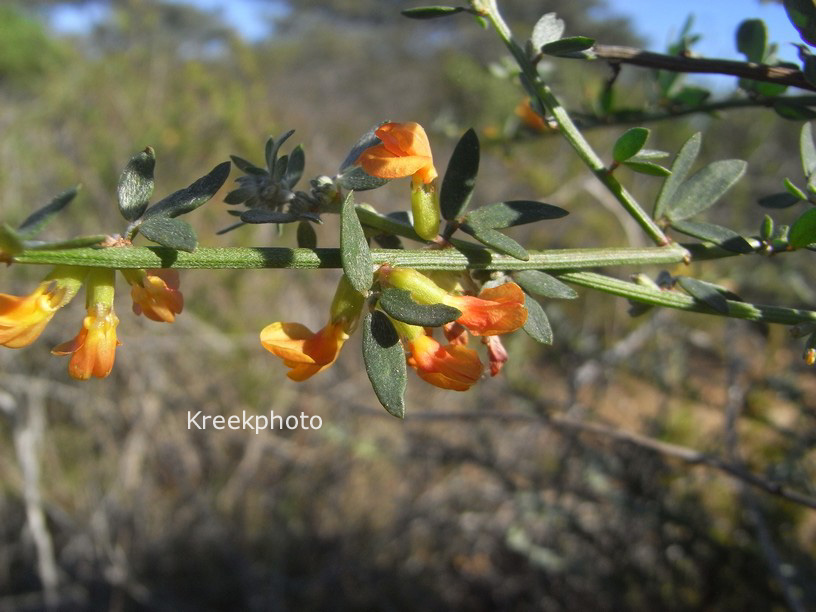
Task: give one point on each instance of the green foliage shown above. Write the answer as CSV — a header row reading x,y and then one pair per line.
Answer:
x,y
460,176
357,264
399,304
385,362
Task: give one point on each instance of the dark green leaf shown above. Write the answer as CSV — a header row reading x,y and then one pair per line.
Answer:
x,y
572,46
719,235
704,188
280,168
188,199
460,177
537,325
691,96
356,179
37,220
647,168
306,236
236,196
369,139
247,166
808,66
802,14
354,251
792,111
294,169
272,148
649,155
752,40
629,143
136,184
10,241
807,150
497,241
169,232
72,243
259,215
548,29
511,213
539,283
431,12
399,304
680,169
704,292
803,230
779,200
384,361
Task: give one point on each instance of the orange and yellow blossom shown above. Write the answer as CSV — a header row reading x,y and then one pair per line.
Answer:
x,y
497,310
305,352
22,319
405,151
94,347
155,294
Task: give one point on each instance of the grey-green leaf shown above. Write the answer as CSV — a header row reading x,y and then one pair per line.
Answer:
x,y
572,46
807,150
497,241
356,179
354,252
294,168
629,143
704,188
679,171
136,184
306,236
537,325
272,148
719,235
399,304
384,361
752,39
188,199
460,177
539,283
10,241
259,215
645,167
514,212
779,200
169,232
72,243
704,292
431,12
803,230
367,140
247,166
37,220
546,30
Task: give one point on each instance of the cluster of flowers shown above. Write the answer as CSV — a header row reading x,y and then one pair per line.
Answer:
x,y
22,319
404,151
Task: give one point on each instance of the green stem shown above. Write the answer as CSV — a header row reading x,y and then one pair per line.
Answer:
x,y
570,131
276,257
680,301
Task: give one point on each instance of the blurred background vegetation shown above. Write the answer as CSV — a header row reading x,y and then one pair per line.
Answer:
x,y
476,501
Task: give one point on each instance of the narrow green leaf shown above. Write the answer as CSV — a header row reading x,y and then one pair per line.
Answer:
x,y
649,155
354,253
37,220
367,140
704,292
752,38
356,179
10,241
647,168
704,188
259,215
431,12
779,200
572,46
537,325
807,150
546,30
514,212
169,232
460,177
72,243
136,184
793,111
399,304
539,283
294,169
188,199
384,361
306,236
719,235
680,169
629,143
272,148
247,166
803,230
237,196
497,241
280,168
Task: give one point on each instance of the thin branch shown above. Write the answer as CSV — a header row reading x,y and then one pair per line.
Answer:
x,y
781,75
563,423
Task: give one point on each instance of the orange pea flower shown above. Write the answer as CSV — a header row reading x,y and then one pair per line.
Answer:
x,y
302,350
94,347
22,319
530,118
155,294
405,151
452,366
